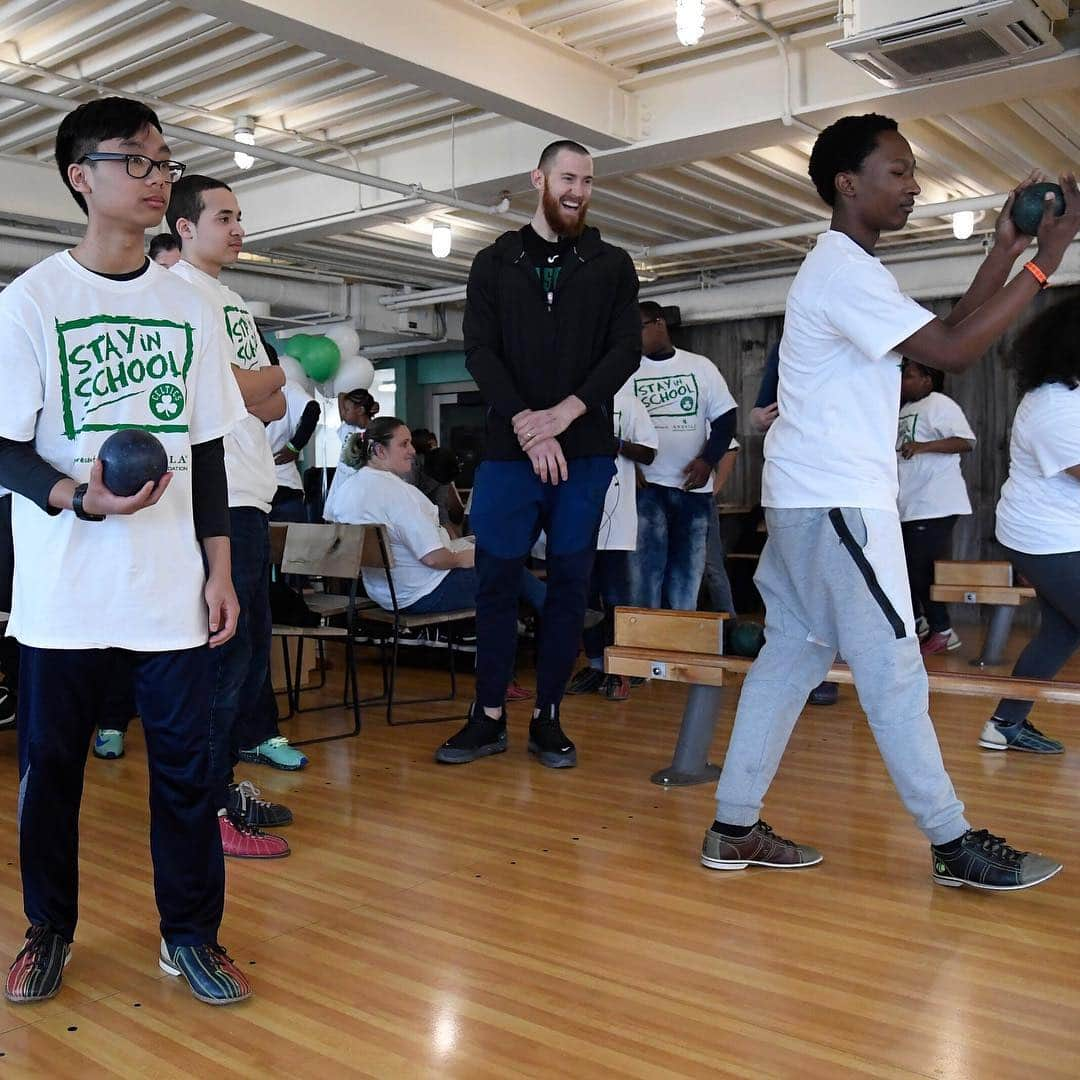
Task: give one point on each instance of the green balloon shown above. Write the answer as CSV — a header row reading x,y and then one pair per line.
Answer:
x,y
320,359
296,346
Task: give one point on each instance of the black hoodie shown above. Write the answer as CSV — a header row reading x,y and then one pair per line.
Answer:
x,y
525,355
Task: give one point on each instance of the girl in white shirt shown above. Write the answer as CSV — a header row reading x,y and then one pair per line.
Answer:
x,y
432,573
933,434
1038,515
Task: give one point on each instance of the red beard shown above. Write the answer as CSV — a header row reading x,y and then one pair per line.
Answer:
x,y
559,220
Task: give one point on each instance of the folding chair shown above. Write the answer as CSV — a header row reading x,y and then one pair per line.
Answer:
x,y
377,555
324,551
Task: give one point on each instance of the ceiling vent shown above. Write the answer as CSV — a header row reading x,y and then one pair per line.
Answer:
x,y
946,42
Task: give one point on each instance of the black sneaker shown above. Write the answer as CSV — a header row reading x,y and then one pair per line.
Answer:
x,y
586,681
548,741
987,862
37,972
480,737
826,693
244,804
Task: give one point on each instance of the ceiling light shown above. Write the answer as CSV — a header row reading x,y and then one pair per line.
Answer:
x,y
442,240
963,224
689,20
244,132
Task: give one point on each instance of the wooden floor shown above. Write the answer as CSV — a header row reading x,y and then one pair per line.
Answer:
x,y
503,920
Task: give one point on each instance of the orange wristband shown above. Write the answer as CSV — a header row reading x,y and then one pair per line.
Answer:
x,y
1037,274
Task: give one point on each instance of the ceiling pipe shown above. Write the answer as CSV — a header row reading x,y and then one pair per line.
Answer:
x,y
205,138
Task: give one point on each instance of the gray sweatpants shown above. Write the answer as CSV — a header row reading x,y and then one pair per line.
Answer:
x,y
836,580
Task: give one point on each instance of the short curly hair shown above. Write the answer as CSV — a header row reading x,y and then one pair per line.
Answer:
x,y
843,147
1047,350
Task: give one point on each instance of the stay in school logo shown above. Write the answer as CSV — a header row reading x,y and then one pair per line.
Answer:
x,y
118,371
240,327
668,395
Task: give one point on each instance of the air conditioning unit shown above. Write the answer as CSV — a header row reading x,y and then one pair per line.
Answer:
x,y
945,42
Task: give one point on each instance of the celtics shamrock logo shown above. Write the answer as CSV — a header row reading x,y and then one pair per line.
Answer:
x,y
166,401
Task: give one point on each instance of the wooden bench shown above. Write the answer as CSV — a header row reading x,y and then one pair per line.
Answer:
x,y
687,647
990,583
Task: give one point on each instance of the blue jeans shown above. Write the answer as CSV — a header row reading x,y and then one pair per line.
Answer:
x,y
717,584
673,529
613,585
510,507
240,714
59,706
458,590
288,505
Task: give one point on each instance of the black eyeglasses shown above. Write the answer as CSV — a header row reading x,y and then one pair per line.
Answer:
x,y
139,166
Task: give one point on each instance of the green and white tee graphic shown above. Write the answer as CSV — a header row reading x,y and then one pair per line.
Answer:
x,y
120,371
249,461
82,356
683,395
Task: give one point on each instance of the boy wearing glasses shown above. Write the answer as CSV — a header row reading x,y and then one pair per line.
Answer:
x,y
92,341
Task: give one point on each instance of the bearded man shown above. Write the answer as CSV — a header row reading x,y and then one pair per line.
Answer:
x,y
551,333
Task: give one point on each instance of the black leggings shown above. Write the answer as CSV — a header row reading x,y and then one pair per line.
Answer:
x,y
924,542
1057,588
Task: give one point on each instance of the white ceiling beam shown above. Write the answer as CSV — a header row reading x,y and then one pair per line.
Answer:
x,y
460,50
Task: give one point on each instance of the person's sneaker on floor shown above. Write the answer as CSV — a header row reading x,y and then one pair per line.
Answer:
x,y
999,735
586,681
8,709
480,737
109,744
209,971
615,688
37,972
982,861
242,841
758,847
922,628
245,803
940,641
516,692
276,752
826,693
548,741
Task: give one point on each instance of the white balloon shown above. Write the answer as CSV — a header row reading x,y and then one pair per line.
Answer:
x,y
354,373
294,372
345,338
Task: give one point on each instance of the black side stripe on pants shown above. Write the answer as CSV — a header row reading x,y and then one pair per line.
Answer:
x,y
863,564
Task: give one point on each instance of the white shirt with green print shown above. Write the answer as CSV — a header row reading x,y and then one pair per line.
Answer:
x,y
249,462
82,356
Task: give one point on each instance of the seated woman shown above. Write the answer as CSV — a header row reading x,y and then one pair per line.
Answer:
x,y
432,573
1038,515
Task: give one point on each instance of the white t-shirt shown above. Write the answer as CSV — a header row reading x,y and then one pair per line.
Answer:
x,y
249,464
1039,509
682,396
931,485
371,496
82,356
280,431
341,471
833,443
618,526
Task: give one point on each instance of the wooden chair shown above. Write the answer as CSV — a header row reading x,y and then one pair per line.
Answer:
x,y
388,624
328,551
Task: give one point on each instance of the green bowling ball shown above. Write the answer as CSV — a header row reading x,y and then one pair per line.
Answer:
x,y
1027,208
747,638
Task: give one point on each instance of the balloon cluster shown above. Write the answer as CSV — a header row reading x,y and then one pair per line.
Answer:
x,y
331,360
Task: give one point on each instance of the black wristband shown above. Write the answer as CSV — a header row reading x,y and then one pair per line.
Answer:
x,y
77,505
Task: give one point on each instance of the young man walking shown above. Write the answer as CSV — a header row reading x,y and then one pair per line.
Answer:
x,y
551,333
96,340
832,573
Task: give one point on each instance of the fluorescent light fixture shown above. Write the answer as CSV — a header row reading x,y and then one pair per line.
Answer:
x,y
442,240
689,20
963,224
244,132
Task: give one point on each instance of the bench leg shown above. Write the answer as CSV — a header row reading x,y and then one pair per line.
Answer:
x,y
690,763
997,636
